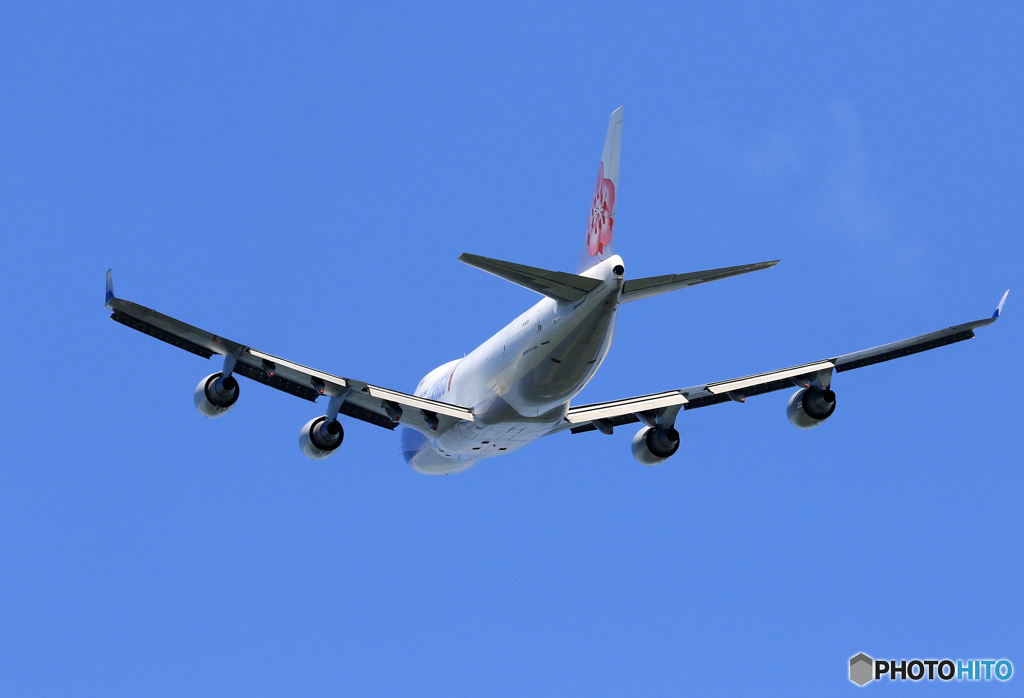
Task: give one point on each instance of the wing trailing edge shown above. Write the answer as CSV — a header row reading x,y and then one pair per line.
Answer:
x,y
364,401
605,415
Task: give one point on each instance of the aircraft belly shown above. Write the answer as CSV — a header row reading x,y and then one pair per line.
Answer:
x,y
477,441
555,368
423,456
520,382
569,365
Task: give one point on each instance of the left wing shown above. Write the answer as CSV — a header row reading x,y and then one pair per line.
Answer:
x,y
369,403
663,407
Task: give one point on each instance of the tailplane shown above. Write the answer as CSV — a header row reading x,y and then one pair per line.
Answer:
x,y
564,288
600,226
635,289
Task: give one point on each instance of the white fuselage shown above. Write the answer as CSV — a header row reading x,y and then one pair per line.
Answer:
x,y
520,381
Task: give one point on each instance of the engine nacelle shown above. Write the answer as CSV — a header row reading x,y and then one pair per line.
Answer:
x,y
810,407
653,445
320,438
214,395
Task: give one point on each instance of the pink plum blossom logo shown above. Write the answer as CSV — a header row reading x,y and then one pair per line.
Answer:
x,y
599,229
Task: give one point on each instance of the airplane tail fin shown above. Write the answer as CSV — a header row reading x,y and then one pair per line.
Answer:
x,y
600,226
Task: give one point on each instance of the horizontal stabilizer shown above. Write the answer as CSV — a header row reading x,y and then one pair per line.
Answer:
x,y
635,289
562,287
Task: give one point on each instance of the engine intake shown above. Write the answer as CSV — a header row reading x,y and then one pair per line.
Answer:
x,y
653,445
320,437
215,395
810,407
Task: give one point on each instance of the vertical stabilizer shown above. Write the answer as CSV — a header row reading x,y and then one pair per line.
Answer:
x,y
601,223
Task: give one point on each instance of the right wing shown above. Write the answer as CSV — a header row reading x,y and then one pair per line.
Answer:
x,y
369,403
635,289
664,407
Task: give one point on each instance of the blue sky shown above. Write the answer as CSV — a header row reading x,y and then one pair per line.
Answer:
x,y
301,177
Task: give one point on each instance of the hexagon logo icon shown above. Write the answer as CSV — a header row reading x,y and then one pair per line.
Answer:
x,y
861,669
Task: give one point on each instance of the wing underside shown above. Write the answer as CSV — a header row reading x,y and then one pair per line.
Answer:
x,y
362,401
665,406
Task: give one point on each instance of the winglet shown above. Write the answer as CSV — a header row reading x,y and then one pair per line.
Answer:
x,y
110,289
999,308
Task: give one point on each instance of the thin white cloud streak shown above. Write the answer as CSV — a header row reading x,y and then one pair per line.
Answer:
x,y
851,206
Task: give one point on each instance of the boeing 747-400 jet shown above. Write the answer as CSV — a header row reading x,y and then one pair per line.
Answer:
x,y
518,385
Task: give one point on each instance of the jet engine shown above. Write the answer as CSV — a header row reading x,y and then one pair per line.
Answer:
x,y
214,395
810,407
321,437
653,445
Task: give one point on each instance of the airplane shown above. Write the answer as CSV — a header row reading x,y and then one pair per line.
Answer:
x,y
519,385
